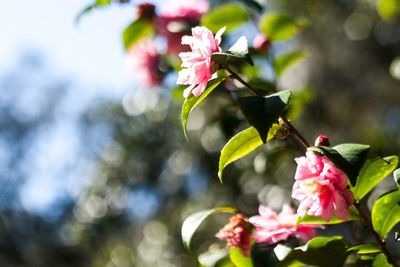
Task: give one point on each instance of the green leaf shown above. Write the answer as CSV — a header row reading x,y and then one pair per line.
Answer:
x,y
283,62
381,261
396,175
308,219
91,7
238,259
278,27
192,101
319,251
388,9
386,213
192,222
136,31
237,147
298,101
364,249
262,112
229,15
239,51
348,157
372,173
211,258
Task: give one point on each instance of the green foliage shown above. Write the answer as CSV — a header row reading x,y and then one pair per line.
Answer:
x,y
307,219
364,249
284,61
388,9
238,259
372,173
386,213
229,15
192,222
348,157
91,7
396,176
278,27
239,51
320,251
237,147
136,31
298,101
381,261
262,112
192,101
212,258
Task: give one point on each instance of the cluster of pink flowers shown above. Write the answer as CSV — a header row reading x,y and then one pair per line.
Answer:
x,y
197,66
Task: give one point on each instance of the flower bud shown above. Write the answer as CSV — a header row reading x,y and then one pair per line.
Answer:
x,y
322,140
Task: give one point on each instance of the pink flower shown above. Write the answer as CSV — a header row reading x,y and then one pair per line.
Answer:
x,y
237,233
260,42
143,60
177,19
321,188
272,228
197,67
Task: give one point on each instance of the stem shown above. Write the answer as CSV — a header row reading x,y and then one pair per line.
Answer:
x,y
291,128
367,223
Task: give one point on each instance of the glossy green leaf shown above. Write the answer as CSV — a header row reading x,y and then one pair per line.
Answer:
x,y
239,51
192,101
284,61
238,259
348,157
396,176
386,213
237,147
307,219
91,7
192,222
381,261
262,112
211,258
136,31
278,27
372,173
319,251
364,249
388,9
229,15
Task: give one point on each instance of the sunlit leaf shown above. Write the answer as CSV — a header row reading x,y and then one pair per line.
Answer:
x,y
211,258
229,15
192,101
388,9
396,176
386,213
348,157
278,27
284,61
364,249
262,112
372,173
319,251
136,31
239,51
91,7
237,257
237,147
192,222
381,261
308,219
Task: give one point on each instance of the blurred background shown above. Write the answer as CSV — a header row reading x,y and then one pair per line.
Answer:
x,y
95,170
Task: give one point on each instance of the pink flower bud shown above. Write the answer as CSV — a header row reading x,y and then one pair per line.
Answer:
x,y
146,11
322,140
261,43
237,233
272,228
321,188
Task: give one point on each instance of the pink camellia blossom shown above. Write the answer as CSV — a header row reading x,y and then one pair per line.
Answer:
x,y
176,20
237,233
197,67
272,228
143,60
321,188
